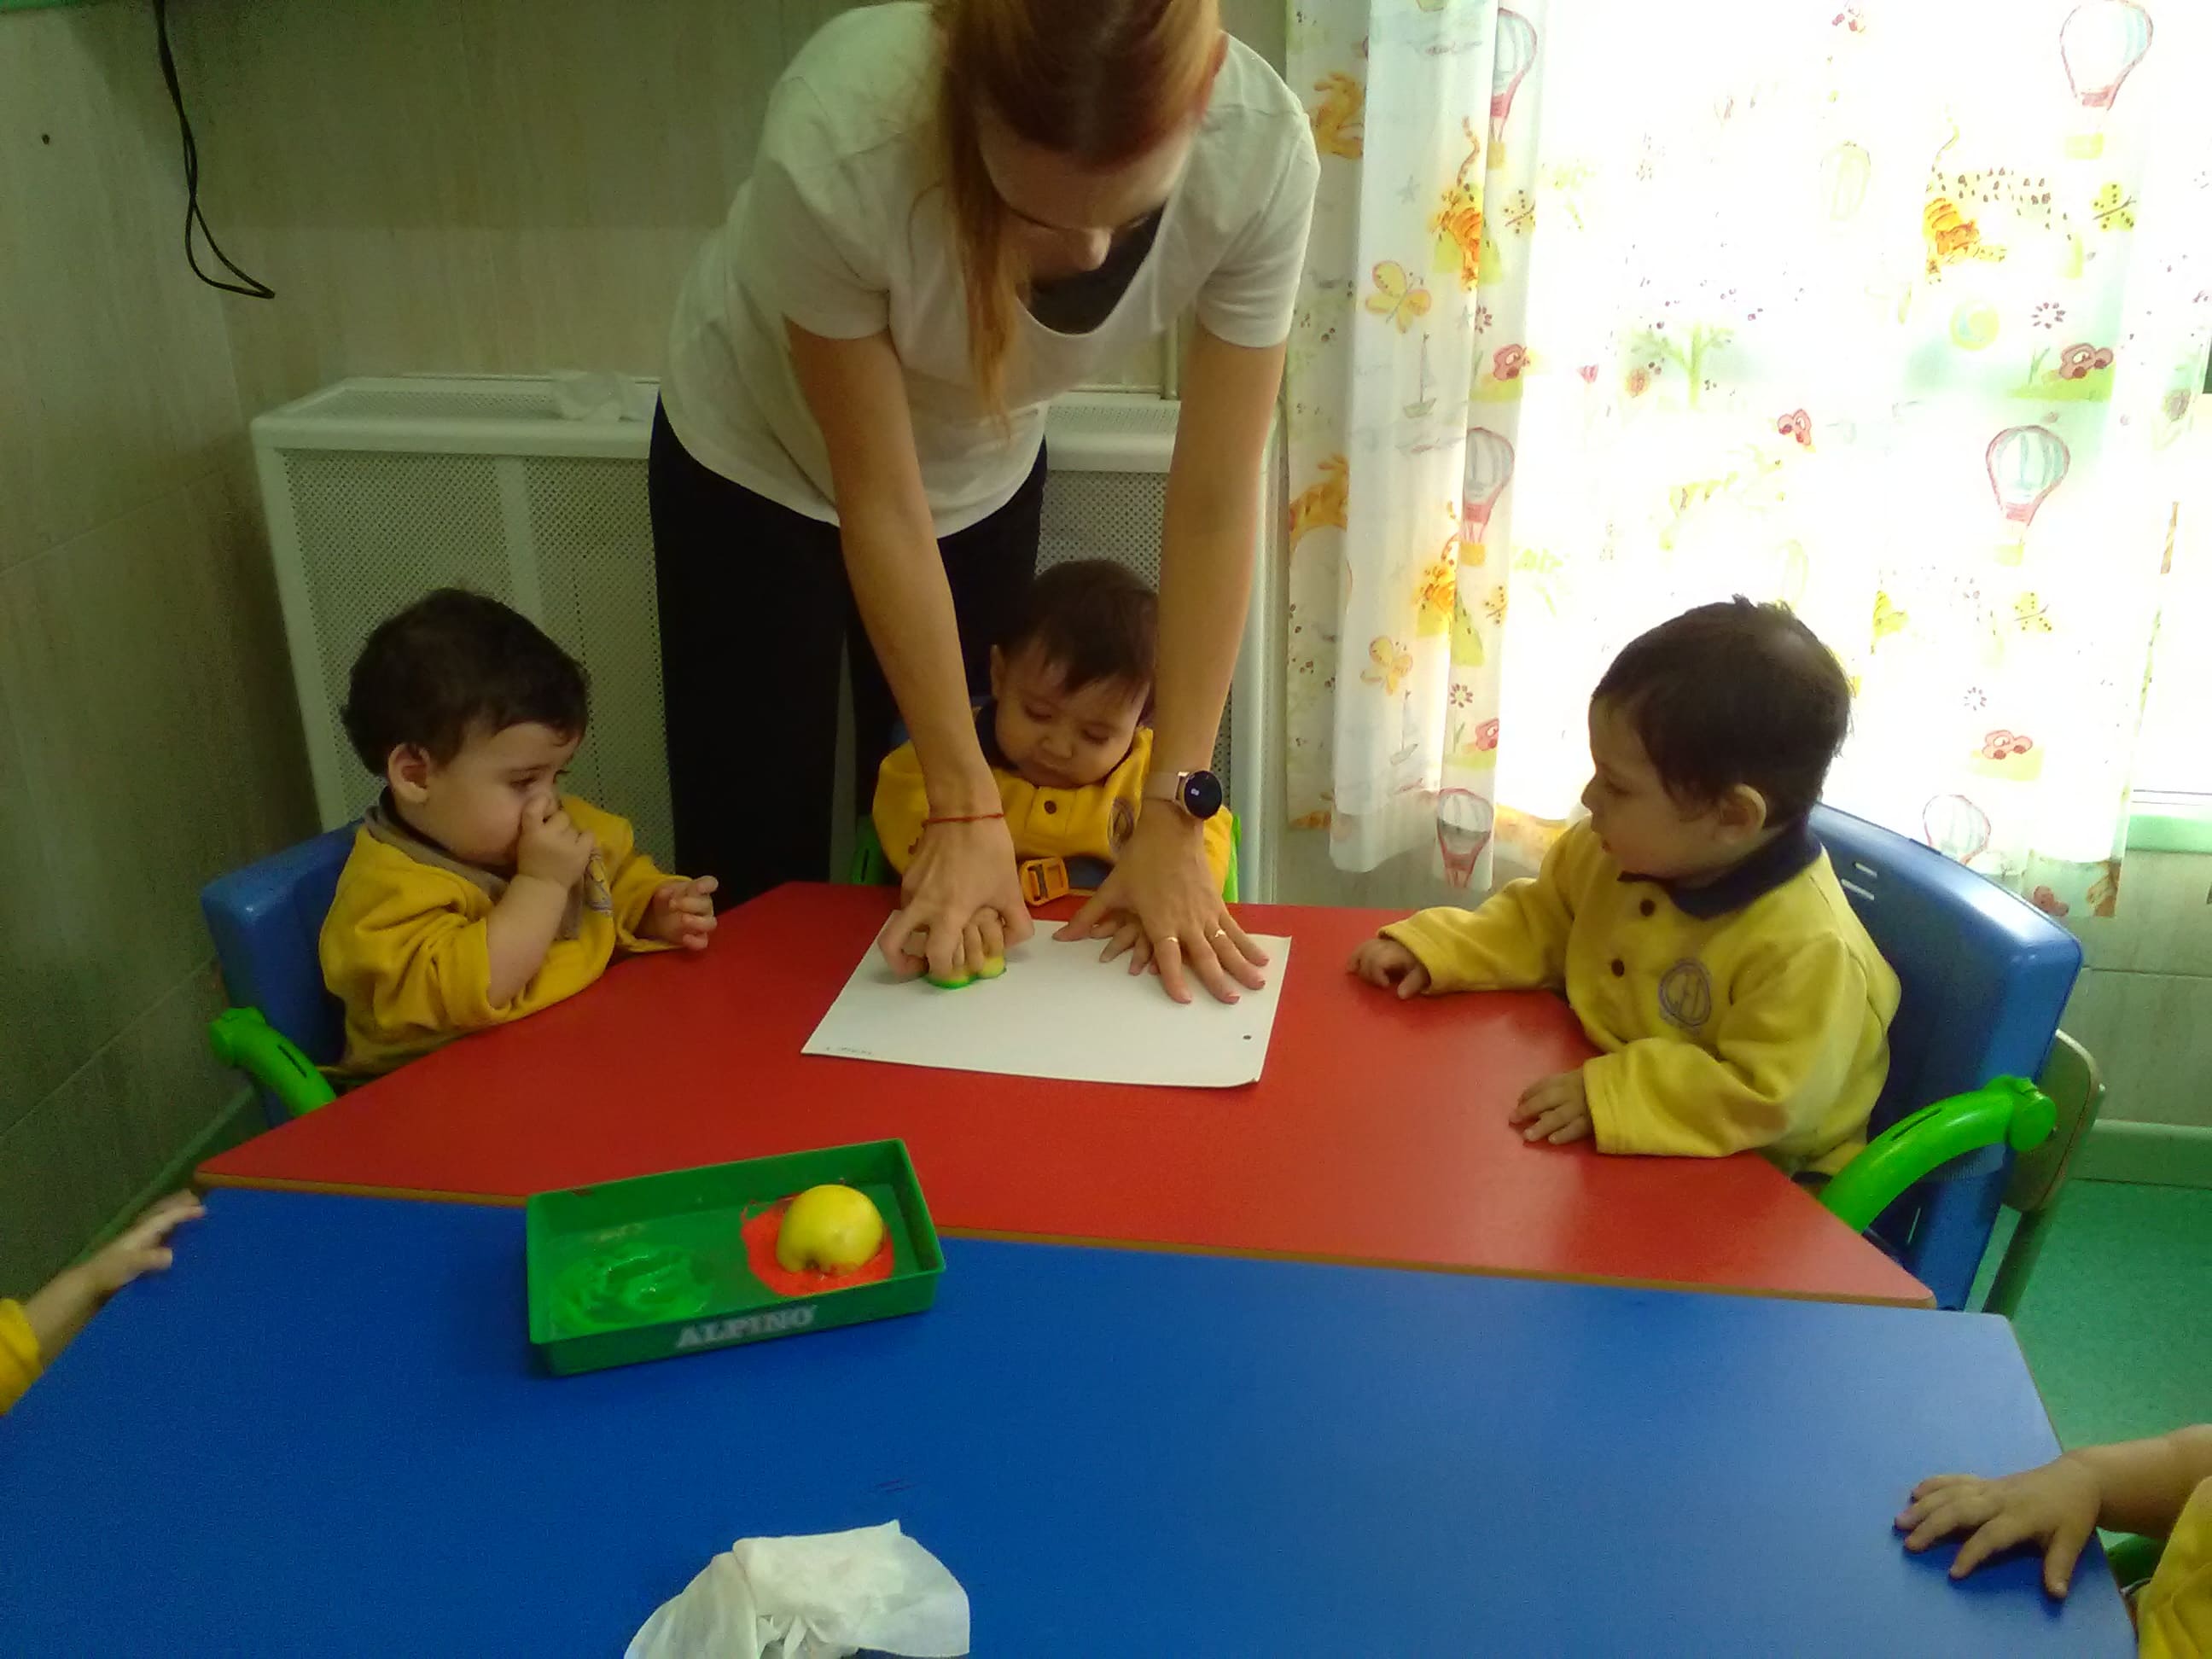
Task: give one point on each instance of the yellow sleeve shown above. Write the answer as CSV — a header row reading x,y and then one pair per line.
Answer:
x,y
400,951
20,1364
1516,941
2174,1614
902,804
632,877
1782,1054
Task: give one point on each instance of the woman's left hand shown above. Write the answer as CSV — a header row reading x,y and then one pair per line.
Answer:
x,y
1161,904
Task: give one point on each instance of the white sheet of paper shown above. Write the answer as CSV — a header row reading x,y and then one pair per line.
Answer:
x,y
1057,1011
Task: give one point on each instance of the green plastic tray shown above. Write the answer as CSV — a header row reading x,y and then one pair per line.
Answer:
x,y
641,1269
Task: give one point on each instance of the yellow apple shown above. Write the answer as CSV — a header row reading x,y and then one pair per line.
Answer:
x,y
830,1229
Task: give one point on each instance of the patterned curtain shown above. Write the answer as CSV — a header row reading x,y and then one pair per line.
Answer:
x,y
1889,312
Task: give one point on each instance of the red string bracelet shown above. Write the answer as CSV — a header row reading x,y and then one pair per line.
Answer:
x,y
972,817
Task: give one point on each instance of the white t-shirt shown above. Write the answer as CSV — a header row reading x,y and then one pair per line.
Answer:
x,y
843,230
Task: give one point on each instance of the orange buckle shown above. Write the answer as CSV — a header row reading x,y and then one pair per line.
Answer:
x,y
1043,880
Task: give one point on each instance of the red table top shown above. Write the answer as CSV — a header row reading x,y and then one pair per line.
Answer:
x,y
1378,1133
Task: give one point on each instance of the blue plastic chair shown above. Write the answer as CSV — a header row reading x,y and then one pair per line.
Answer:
x,y
265,920
1985,976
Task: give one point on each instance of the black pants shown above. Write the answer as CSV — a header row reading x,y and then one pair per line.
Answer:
x,y
754,606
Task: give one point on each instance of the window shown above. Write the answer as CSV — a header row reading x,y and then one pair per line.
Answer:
x,y
2174,756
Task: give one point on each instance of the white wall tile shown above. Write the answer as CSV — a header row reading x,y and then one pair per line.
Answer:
x,y
118,384
2152,1035
2163,921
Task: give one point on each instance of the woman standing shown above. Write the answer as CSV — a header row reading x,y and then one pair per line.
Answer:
x,y
958,210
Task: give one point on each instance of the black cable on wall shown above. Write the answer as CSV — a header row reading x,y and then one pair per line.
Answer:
x,y
252,287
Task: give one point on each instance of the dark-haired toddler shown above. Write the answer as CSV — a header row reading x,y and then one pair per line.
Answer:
x,y
476,892
1694,921
1064,731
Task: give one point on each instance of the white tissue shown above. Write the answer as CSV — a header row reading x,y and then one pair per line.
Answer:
x,y
819,1597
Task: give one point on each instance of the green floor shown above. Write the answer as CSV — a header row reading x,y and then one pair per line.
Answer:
x,y
2116,1323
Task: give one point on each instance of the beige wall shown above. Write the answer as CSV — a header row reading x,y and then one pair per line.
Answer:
x,y
146,738
501,186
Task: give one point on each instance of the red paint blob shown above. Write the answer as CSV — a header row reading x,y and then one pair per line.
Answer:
x,y
761,1231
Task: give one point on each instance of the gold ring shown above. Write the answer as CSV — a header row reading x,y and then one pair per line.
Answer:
x,y
1219,933
1168,938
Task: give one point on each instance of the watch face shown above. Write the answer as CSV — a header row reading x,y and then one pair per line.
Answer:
x,y
1201,794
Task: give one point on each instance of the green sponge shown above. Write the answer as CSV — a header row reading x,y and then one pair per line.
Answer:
x,y
992,968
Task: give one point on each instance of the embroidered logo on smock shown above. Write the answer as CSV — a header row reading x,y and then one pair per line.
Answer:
x,y
1686,995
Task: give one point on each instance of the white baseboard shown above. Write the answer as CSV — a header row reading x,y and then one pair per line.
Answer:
x,y
2150,1154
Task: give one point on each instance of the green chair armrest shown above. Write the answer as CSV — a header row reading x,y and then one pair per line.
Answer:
x,y
2134,1558
242,1038
2010,1110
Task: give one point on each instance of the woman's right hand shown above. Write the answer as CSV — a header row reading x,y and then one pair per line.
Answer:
x,y
961,889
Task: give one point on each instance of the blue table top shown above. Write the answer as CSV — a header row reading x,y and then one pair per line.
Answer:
x,y
324,1432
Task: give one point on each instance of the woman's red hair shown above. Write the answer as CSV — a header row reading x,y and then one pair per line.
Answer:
x,y
1099,81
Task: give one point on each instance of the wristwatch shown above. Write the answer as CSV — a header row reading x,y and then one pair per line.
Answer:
x,y
1197,794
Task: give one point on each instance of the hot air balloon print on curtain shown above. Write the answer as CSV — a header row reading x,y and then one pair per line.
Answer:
x,y
1489,470
1955,827
2025,464
2100,43
1513,50
1464,821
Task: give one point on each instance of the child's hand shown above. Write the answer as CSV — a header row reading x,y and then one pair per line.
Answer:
x,y
59,1311
681,913
142,1247
1386,963
1556,1109
2055,1506
552,848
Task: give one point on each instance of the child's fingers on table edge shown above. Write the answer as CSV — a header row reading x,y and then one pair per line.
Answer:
x,y
2000,1533
1937,1482
170,1210
1940,1522
2062,1554
1413,982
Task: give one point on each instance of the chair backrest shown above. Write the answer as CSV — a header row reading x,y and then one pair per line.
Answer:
x,y
1984,976
2076,1088
265,920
